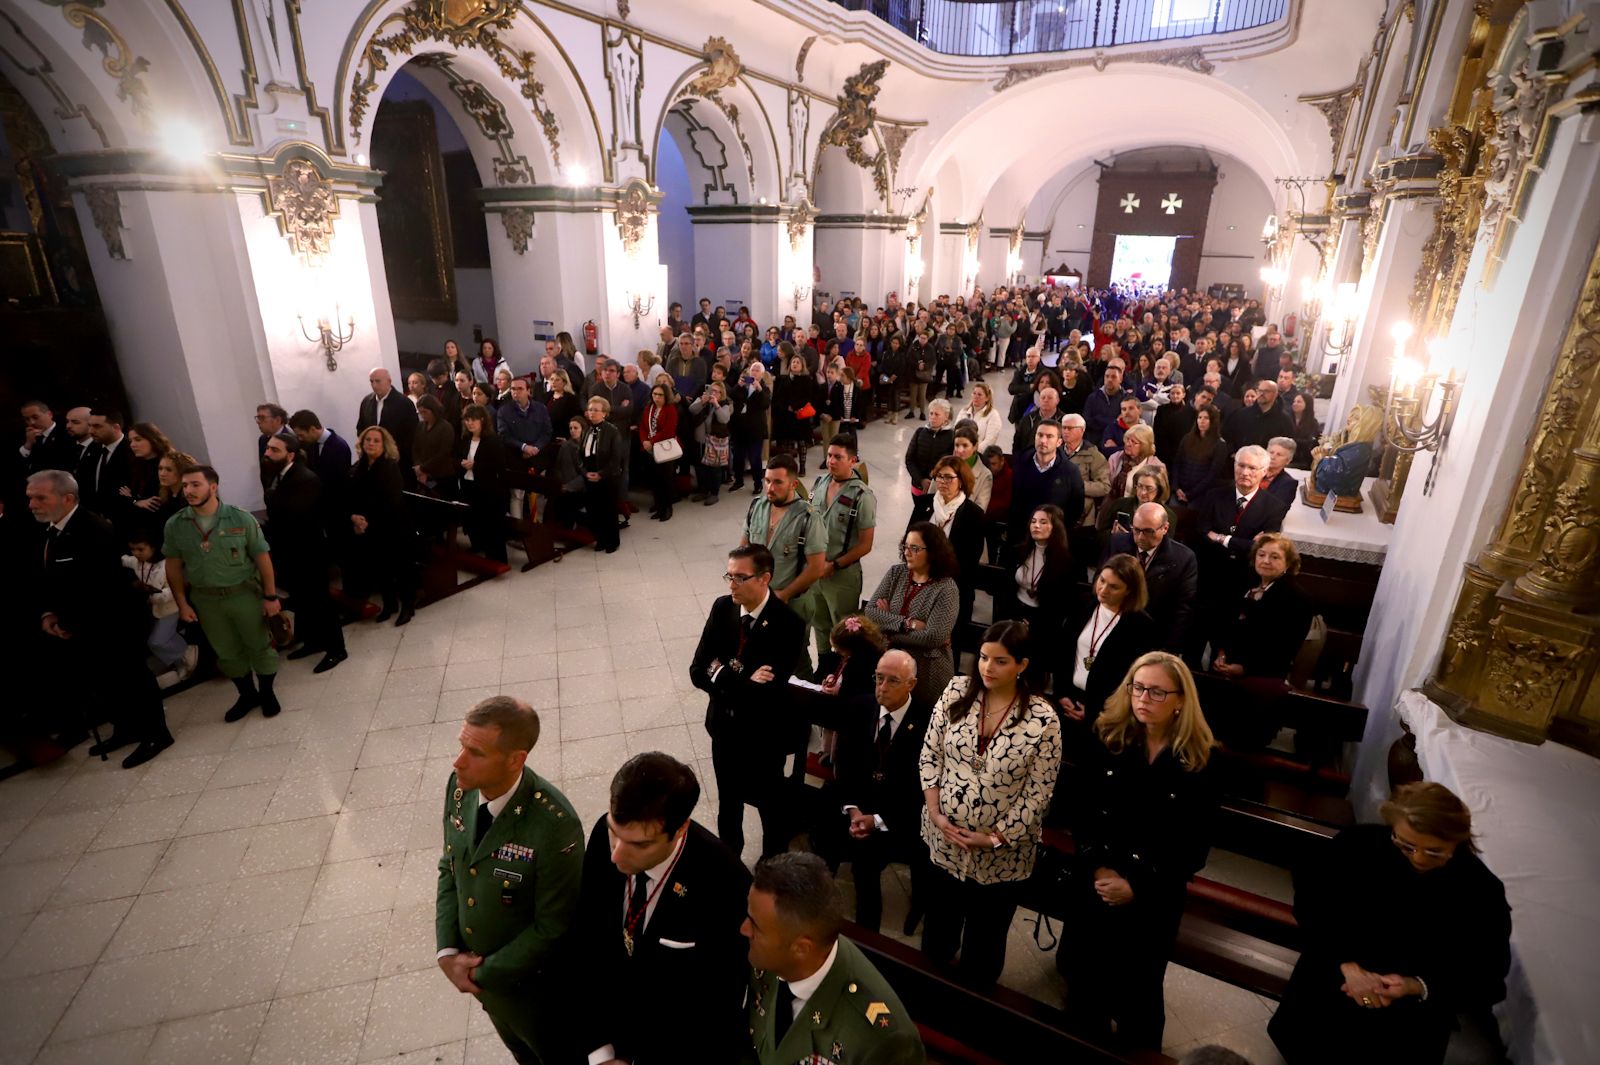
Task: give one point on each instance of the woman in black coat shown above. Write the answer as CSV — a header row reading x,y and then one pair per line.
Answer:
x,y
1306,430
794,392
482,459
1261,638
1141,817
1041,576
383,540
1402,929
1172,422
1104,634
1202,460
950,507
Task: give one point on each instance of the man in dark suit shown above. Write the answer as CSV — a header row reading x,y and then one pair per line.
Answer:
x,y
878,786
108,468
1043,475
324,451
658,925
1171,573
390,410
271,420
750,644
604,459
82,445
45,445
443,389
296,529
1258,424
1226,527
96,620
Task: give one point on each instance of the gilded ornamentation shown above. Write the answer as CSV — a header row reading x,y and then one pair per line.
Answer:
x,y
1372,224
800,60
798,222
1467,631
1519,98
1437,285
1335,107
854,121
974,233
106,210
306,206
519,227
1525,671
633,214
722,68
459,24
1192,59
41,70
894,142
116,58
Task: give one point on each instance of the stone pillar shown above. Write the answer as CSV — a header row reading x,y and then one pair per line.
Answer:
x,y
736,257
861,255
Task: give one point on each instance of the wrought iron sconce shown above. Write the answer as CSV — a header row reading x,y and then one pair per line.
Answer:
x,y
639,307
1339,337
1407,429
801,294
331,340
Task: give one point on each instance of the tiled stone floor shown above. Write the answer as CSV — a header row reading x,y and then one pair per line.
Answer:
x,y
263,891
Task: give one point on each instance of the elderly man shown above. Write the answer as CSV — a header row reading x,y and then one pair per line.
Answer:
x,y
1226,526
95,621
1275,482
1092,465
1047,408
689,371
390,410
1171,573
878,787
508,887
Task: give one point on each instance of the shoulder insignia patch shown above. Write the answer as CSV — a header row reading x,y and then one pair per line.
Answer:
x,y
878,1014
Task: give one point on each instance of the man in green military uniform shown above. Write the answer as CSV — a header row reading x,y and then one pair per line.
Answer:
x,y
792,530
221,574
849,513
508,882
813,995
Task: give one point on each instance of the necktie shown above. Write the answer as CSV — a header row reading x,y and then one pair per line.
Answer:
x,y
885,737
1243,502
637,902
100,468
1144,559
785,1012
746,624
50,534
485,819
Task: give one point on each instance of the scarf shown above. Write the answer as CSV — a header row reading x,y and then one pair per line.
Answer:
x,y
944,513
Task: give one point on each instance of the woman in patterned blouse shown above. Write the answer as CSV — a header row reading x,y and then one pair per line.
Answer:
x,y
916,605
988,767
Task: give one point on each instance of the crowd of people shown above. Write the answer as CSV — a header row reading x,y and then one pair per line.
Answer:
x,y
1120,520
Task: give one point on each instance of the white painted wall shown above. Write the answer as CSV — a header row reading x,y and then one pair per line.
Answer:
x,y
474,307
1239,204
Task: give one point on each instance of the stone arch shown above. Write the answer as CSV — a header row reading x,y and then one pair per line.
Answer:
x,y
734,116
550,95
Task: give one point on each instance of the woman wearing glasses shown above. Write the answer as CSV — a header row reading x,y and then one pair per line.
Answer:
x,y
1403,928
950,506
1141,820
916,604
989,764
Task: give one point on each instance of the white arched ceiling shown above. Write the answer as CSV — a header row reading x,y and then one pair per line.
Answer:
x,y
1011,146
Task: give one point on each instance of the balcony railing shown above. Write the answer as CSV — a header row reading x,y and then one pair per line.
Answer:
x,y
1020,27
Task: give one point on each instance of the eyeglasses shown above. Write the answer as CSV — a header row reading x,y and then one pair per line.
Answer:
x,y
912,549
1411,850
946,477
1155,695
738,579
1141,531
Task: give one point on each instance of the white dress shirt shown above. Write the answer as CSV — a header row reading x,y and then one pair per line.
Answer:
x,y
495,806
1090,639
896,717
804,989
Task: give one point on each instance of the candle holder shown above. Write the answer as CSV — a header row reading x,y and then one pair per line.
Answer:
x,y
639,307
801,294
331,340
1407,428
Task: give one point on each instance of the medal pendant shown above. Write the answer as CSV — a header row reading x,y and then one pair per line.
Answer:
x,y
627,942
205,545
1088,661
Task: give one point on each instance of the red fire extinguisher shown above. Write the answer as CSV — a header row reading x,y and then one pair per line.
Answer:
x,y
591,337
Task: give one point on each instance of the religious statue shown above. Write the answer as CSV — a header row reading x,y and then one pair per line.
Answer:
x,y
1340,462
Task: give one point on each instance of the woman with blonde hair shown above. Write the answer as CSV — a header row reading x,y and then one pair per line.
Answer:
x,y
1138,453
1403,929
382,556
982,413
1142,826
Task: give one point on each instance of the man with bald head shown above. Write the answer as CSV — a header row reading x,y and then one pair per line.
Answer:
x,y
82,444
879,791
1171,573
387,408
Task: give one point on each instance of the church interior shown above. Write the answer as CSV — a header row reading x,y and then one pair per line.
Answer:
x,y
218,209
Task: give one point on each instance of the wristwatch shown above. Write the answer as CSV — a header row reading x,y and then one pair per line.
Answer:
x,y
270,598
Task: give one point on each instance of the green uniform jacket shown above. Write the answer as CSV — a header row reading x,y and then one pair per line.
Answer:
x,y
853,1018
513,897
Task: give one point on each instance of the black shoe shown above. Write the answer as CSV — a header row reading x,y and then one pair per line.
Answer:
x,y
269,702
329,660
755,489
146,751
114,742
406,614
711,500
241,707
384,615
738,486
305,650
666,515
612,549
623,524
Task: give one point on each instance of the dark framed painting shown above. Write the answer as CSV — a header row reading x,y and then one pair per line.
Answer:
x,y
414,213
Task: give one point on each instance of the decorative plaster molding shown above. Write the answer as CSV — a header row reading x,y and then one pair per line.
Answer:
x,y
106,210
799,127
459,24
1335,107
41,71
633,213
854,121
1192,58
722,68
117,59
799,221
625,79
519,227
489,115
800,60
894,142
709,149
305,205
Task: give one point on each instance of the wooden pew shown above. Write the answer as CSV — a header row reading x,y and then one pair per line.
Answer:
x,y
442,566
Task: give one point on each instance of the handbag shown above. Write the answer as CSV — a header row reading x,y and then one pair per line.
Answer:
x,y
807,411
716,451
669,450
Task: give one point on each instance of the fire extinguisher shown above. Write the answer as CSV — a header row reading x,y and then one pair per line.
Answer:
x,y
591,337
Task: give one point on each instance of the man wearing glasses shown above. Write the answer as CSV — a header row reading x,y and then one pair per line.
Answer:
x,y
747,650
1171,573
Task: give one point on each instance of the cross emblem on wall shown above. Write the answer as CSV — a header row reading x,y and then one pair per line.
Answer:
x,y
1171,203
1130,203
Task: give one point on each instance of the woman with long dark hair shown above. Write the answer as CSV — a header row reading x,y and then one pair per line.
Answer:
x,y
658,424
1041,568
456,362
1106,631
482,461
488,361
1202,459
988,768
1306,429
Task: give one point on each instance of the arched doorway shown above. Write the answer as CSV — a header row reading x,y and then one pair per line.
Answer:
x,y
430,221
